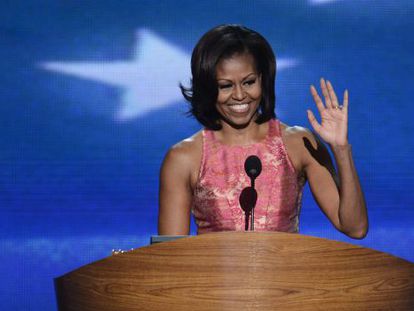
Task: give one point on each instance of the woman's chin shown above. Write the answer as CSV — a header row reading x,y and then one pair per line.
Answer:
x,y
239,122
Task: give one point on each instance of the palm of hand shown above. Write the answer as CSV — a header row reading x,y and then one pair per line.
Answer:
x,y
333,127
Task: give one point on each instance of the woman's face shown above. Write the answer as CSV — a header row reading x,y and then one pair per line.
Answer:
x,y
239,89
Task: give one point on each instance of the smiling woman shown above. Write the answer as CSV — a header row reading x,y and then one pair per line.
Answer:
x,y
240,90
232,95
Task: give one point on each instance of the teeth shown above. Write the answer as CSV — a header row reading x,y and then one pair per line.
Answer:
x,y
239,107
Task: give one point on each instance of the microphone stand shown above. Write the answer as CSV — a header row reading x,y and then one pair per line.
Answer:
x,y
252,210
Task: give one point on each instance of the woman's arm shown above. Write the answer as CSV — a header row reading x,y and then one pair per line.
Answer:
x,y
343,202
175,193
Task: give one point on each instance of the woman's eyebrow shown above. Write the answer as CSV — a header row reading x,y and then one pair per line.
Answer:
x,y
224,79
252,73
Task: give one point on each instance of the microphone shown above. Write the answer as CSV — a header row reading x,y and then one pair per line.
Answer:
x,y
247,200
253,167
248,197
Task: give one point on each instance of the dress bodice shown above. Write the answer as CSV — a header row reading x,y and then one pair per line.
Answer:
x,y
222,177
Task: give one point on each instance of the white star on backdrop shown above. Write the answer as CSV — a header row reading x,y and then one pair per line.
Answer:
x,y
150,79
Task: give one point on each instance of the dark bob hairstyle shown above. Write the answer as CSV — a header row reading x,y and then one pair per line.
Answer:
x,y
219,43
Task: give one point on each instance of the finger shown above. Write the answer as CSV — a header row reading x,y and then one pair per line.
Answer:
x,y
345,102
332,95
311,117
325,93
317,99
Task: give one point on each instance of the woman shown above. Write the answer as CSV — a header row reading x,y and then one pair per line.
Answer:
x,y
232,95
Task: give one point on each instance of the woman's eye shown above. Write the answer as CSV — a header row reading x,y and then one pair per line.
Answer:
x,y
224,86
250,82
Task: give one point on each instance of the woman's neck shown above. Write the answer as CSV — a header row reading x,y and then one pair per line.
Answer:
x,y
252,133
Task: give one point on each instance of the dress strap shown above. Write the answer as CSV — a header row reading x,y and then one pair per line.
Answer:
x,y
274,128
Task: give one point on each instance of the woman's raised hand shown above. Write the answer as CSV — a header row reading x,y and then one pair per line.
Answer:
x,y
333,128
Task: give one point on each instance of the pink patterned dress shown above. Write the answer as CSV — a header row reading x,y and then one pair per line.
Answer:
x,y
222,177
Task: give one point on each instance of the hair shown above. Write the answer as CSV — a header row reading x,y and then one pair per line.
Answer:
x,y
220,43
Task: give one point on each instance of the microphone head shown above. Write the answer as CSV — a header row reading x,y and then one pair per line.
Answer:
x,y
253,166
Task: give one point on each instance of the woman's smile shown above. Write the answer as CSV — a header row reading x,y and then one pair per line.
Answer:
x,y
239,108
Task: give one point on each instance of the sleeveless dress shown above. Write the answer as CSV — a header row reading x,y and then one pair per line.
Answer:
x,y
222,178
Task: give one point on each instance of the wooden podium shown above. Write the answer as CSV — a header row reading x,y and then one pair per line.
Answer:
x,y
241,271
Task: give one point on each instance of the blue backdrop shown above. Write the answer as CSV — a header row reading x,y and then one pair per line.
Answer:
x,y
90,104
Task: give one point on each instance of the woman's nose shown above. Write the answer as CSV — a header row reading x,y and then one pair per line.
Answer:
x,y
238,93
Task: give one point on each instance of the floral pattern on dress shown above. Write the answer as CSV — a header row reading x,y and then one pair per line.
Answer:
x,y
222,178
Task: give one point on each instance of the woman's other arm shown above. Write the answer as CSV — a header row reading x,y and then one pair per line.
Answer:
x,y
175,191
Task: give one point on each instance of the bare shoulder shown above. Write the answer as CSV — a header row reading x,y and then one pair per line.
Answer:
x,y
295,135
298,141
182,161
186,150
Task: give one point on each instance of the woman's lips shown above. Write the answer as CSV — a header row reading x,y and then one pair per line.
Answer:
x,y
239,108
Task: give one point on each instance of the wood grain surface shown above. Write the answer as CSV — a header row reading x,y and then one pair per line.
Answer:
x,y
242,271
